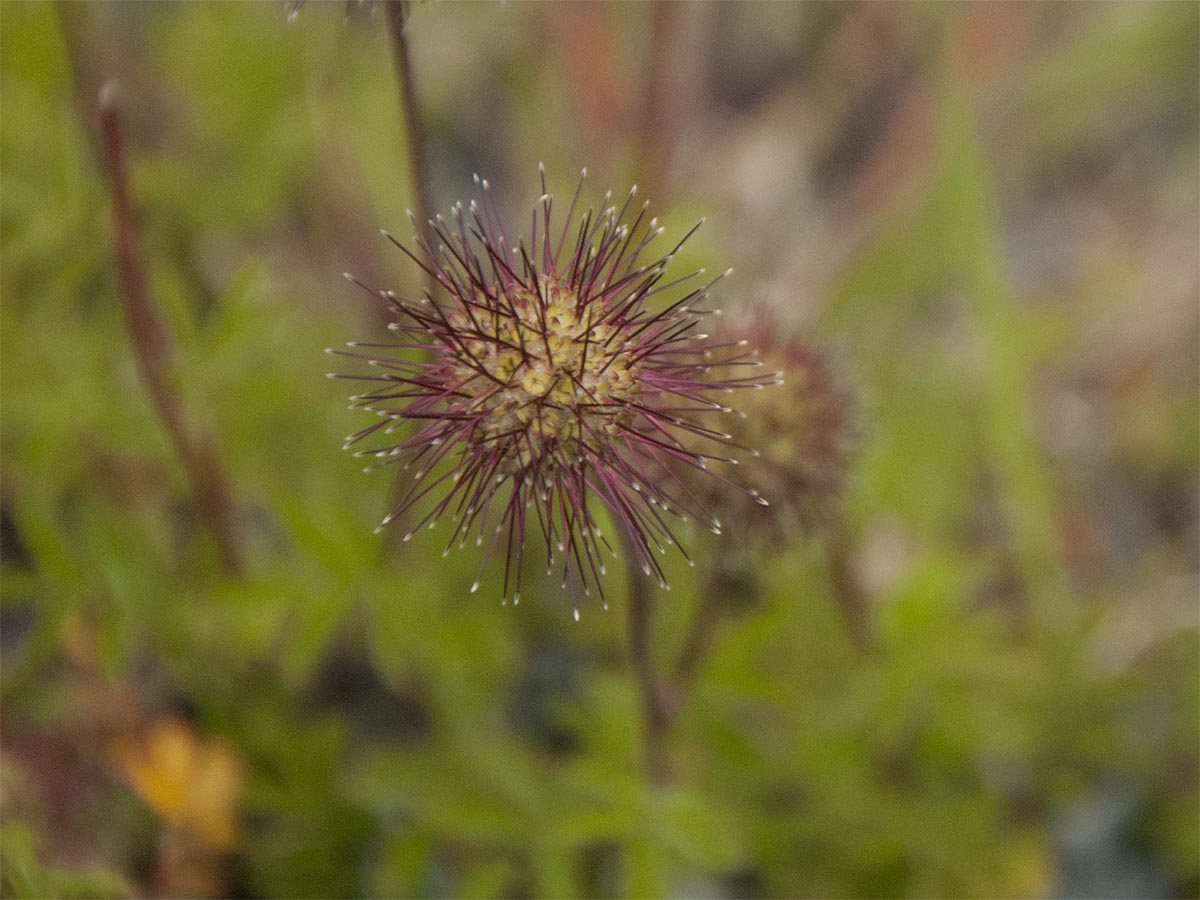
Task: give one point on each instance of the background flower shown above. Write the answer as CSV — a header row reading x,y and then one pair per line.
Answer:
x,y
803,434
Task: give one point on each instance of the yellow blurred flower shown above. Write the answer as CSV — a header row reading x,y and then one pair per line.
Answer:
x,y
191,781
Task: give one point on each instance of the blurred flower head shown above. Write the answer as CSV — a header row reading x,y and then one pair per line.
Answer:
x,y
190,780
555,377
804,435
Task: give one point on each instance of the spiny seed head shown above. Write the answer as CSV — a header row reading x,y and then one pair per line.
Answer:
x,y
550,378
555,377
801,438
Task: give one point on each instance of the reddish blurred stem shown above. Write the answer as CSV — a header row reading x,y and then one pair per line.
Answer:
x,y
657,123
410,107
671,94
654,711
152,350
418,169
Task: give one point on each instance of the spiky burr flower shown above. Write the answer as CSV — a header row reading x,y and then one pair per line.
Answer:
x,y
554,377
806,433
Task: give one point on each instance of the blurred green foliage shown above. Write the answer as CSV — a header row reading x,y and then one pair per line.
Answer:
x,y
400,737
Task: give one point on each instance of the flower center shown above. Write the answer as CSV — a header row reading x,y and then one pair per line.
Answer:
x,y
555,374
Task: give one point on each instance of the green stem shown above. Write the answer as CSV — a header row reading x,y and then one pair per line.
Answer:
x,y
653,709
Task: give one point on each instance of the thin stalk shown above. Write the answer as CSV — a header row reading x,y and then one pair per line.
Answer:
x,y
152,350
410,108
670,91
653,709
848,591
698,640
418,173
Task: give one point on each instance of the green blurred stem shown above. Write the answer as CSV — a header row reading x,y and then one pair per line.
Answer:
x,y
152,349
699,637
653,709
848,591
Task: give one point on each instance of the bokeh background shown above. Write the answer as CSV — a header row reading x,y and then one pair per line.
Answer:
x,y
987,686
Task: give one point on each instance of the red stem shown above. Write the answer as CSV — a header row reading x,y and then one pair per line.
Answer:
x,y
152,351
410,107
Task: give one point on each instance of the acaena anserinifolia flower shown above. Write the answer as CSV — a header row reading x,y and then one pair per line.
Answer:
x,y
806,433
554,377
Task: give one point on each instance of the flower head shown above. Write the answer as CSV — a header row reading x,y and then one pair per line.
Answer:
x,y
804,433
555,377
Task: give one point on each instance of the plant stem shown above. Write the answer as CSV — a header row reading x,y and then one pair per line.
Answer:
x,y
410,108
848,591
699,638
654,713
152,350
418,173
670,91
